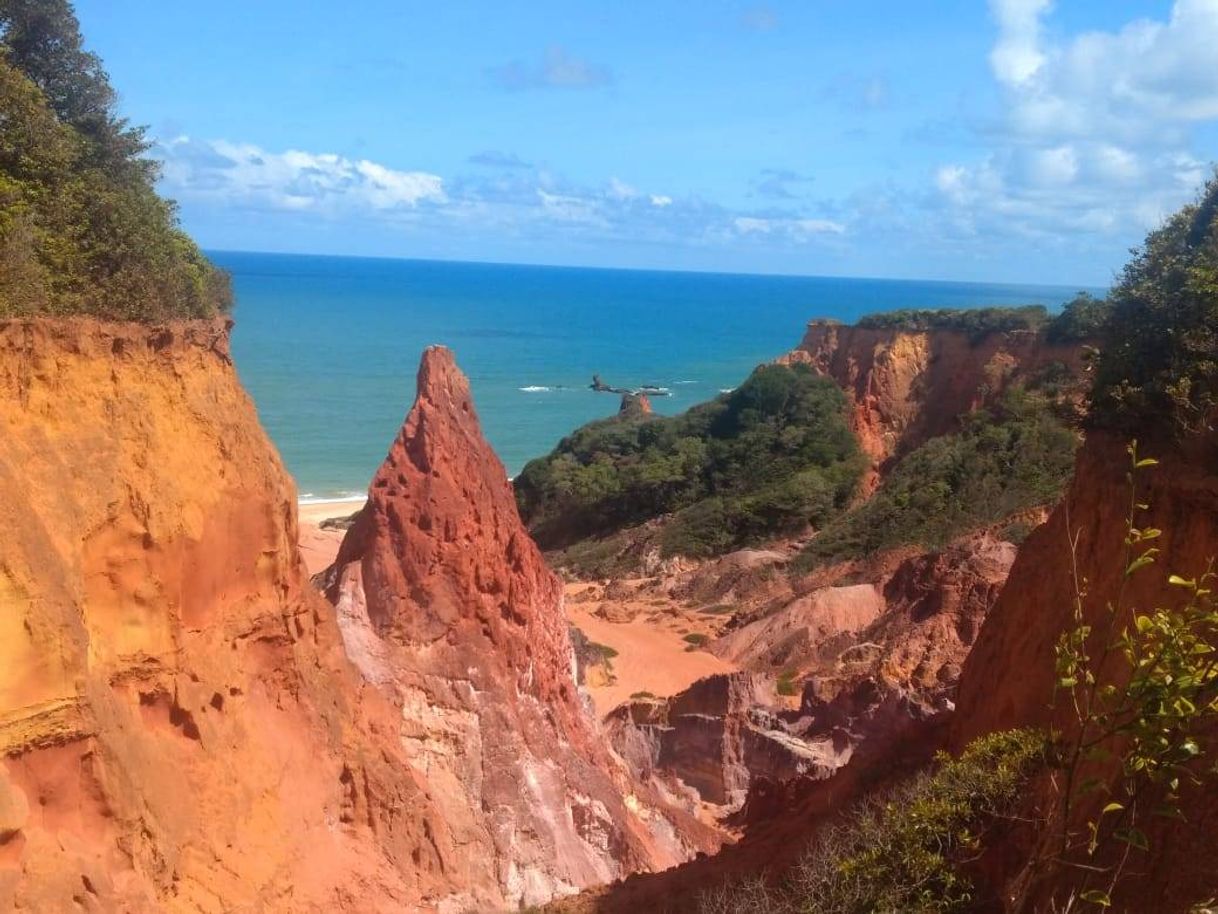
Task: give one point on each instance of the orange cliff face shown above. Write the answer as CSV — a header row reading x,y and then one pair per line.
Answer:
x,y
446,604
179,728
1008,679
906,387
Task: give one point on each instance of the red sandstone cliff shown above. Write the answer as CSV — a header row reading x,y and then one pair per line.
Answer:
x,y
446,604
907,386
1008,678
179,728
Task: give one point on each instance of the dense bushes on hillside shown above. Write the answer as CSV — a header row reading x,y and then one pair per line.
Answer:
x,y
976,321
1158,364
769,458
82,229
1001,462
906,852
1082,318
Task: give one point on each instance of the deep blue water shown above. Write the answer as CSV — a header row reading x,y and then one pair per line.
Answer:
x,y
329,346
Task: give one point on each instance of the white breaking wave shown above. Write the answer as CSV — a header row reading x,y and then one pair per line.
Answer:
x,y
726,390
310,499
535,389
685,382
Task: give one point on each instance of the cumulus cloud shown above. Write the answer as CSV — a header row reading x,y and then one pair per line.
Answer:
x,y
1097,129
243,173
557,70
505,200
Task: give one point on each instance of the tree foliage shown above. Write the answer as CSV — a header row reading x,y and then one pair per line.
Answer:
x,y
1158,365
82,229
904,852
771,457
1018,456
975,321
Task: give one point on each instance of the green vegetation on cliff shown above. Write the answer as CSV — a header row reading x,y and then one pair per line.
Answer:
x,y
908,851
82,229
1016,457
767,459
1158,364
1082,318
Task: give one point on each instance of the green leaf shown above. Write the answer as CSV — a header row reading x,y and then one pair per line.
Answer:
x,y
1146,462
1097,897
1112,807
1178,581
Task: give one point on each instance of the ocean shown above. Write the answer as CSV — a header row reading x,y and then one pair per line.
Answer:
x,y
328,346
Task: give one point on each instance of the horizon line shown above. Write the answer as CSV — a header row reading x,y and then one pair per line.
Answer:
x,y
625,269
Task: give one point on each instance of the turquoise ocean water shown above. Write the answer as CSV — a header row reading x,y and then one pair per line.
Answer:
x,y
329,346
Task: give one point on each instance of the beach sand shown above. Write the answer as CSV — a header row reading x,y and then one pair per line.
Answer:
x,y
319,547
652,655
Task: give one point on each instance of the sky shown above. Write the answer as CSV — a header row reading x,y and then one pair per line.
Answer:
x,y
1009,141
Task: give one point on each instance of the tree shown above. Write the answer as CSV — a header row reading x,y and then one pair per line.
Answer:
x,y
1159,360
82,228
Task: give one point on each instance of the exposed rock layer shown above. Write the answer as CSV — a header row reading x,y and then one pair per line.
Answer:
x,y
179,728
1008,679
906,387
447,605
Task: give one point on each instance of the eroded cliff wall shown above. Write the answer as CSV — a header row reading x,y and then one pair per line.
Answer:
x,y
908,386
1008,678
179,728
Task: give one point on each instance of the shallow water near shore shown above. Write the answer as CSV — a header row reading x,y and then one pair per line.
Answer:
x,y
328,346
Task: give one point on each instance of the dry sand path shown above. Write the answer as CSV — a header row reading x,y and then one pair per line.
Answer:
x,y
650,658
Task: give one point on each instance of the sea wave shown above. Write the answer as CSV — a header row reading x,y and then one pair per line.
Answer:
x,y
308,498
685,382
535,389
726,390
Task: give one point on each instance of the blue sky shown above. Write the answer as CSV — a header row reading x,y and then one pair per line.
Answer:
x,y
1015,140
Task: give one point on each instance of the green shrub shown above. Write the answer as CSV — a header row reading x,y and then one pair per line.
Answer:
x,y
82,229
977,322
696,639
786,684
1082,318
1158,362
642,695
902,853
769,458
1000,463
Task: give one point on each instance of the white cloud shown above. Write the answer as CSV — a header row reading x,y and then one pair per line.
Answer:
x,y
243,173
1097,132
1017,56
794,229
660,200
620,190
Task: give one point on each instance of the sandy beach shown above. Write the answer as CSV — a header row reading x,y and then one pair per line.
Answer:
x,y
319,547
